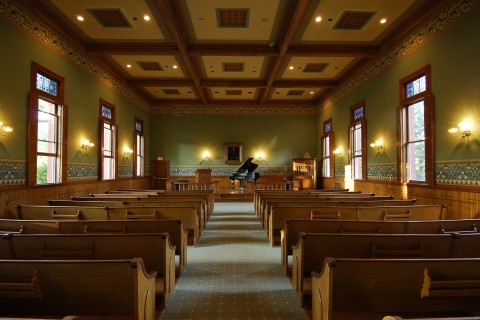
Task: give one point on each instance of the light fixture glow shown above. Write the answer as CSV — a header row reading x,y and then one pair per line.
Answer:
x,y
311,92
127,150
174,67
4,129
464,129
260,156
377,144
129,65
291,67
338,152
383,20
146,17
87,144
318,19
79,18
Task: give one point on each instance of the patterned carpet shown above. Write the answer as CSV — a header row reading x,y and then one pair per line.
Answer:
x,y
233,273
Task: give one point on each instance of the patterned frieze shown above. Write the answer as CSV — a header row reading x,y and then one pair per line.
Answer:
x,y
13,172
82,171
383,171
461,172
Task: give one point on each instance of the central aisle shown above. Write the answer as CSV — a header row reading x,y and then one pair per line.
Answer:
x,y
233,273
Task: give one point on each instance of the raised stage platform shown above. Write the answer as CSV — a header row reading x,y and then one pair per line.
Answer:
x,y
234,195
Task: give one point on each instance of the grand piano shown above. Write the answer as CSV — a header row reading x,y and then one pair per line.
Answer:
x,y
245,172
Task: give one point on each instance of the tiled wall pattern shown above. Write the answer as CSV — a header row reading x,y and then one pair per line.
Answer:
x,y
225,171
459,172
384,171
13,172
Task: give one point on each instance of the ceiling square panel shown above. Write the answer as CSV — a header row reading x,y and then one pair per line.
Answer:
x,y
250,20
331,13
232,67
314,67
104,24
233,94
294,93
150,66
181,93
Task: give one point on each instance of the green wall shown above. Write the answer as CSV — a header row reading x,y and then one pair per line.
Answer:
x,y
183,139
455,73
82,95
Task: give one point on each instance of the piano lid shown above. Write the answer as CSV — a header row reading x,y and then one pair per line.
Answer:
x,y
247,166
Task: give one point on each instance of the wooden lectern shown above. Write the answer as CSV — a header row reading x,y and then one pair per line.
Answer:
x,y
203,175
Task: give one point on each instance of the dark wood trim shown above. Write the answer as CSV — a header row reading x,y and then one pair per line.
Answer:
x,y
174,22
363,122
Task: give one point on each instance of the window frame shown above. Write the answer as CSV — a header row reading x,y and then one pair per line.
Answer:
x,y
136,134
331,137
32,121
428,105
101,157
363,128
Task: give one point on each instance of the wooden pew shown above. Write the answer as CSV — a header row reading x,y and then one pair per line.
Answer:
x,y
155,250
386,286
93,203
278,215
312,248
58,287
33,212
417,212
188,214
293,227
174,228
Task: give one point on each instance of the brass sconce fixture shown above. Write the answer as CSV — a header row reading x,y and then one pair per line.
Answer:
x,y
87,144
337,152
377,144
127,150
260,156
464,129
206,155
4,129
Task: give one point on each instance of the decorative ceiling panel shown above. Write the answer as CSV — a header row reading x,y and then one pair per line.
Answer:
x,y
295,68
294,94
139,66
218,93
181,93
216,67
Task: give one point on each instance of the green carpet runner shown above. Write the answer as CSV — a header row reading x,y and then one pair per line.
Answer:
x,y
233,273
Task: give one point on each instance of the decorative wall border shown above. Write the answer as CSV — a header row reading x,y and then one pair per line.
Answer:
x,y
458,172
13,172
82,171
339,171
125,171
383,171
445,19
226,171
39,32
235,111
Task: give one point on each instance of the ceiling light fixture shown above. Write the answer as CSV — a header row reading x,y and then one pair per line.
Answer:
x,y
318,19
311,92
291,67
174,67
265,19
200,18
129,65
79,18
383,20
146,17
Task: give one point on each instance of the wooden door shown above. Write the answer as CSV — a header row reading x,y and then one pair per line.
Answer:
x,y
160,171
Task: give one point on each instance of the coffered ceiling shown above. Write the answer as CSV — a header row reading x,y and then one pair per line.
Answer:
x,y
234,53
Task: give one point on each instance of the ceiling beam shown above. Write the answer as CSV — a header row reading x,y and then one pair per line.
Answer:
x,y
174,23
133,48
295,15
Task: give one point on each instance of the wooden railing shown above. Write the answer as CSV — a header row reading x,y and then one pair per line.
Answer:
x,y
285,185
181,185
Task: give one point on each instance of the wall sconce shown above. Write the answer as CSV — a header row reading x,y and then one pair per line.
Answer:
x,y
4,129
127,150
260,156
338,152
206,156
464,129
87,144
377,144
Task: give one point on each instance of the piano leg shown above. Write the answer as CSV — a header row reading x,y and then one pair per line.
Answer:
x,y
233,183
241,185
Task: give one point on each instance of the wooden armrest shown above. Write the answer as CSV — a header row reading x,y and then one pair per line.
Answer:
x,y
397,216
10,231
473,230
393,253
141,216
28,290
378,230
449,288
90,230
54,215
55,254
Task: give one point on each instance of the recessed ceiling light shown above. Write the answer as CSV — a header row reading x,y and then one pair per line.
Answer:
x,y
249,92
383,20
129,65
146,17
265,19
311,92
291,67
318,19
79,18
200,18
174,67
277,92
217,92
189,91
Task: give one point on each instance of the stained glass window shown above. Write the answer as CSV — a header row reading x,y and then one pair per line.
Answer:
x,y
106,112
358,113
138,126
328,127
46,85
416,86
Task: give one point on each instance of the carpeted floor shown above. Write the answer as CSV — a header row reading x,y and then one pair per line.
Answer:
x,y
233,273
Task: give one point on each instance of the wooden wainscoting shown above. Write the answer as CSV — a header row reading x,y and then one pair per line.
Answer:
x,y
39,195
462,202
